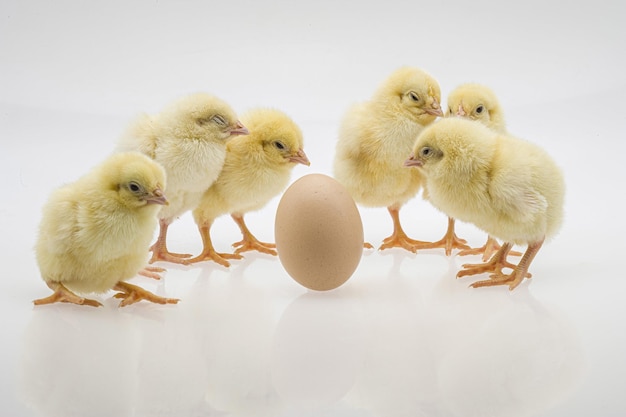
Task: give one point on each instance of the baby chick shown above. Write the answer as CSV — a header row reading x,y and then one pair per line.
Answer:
x,y
478,102
189,140
257,168
95,232
507,187
374,139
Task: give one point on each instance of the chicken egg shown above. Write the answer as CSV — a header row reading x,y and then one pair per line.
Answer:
x,y
319,233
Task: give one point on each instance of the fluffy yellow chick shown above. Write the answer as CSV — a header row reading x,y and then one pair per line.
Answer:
x,y
257,168
478,102
95,232
189,140
507,187
374,139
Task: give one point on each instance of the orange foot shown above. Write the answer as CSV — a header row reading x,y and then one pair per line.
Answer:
x,y
211,255
160,253
495,265
487,250
63,295
152,272
367,245
448,242
131,294
399,239
250,243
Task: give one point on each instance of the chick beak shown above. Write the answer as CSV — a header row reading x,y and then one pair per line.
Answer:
x,y
461,111
413,162
239,129
300,158
157,197
435,109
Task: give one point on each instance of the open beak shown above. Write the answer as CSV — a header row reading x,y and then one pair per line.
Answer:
x,y
157,197
239,129
300,158
435,109
413,162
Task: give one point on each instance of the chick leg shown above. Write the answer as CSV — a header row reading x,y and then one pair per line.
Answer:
x,y
249,242
159,249
519,272
490,247
495,264
63,295
131,294
448,242
399,239
208,251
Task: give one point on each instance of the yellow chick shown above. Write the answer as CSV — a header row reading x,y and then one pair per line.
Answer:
x,y
95,232
374,139
478,102
507,187
257,168
189,140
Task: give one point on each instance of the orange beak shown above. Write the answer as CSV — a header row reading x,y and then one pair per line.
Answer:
x,y
412,161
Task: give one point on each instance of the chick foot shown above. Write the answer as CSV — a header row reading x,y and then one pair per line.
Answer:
x,y
487,250
448,242
151,272
399,239
494,265
63,295
519,272
131,294
209,253
159,249
249,242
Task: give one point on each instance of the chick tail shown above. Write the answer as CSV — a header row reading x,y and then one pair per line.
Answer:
x,y
490,247
249,241
159,248
131,294
209,253
63,295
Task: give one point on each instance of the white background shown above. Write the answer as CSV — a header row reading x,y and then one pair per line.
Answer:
x,y
402,337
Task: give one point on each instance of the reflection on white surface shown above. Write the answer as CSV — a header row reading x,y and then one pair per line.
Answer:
x,y
386,344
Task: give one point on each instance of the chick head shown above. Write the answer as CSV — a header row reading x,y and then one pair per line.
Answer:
x,y
476,102
278,139
202,117
413,93
453,148
137,180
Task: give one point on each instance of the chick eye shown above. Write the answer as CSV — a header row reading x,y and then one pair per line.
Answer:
x,y
479,109
219,119
279,145
134,187
426,152
414,96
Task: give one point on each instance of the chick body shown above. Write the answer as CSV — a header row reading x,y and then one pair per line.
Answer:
x,y
95,232
373,140
257,168
508,187
188,139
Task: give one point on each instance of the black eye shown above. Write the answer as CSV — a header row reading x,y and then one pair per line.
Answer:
x,y
279,145
134,187
426,151
414,96
479,109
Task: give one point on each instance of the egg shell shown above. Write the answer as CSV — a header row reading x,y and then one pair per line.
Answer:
x,y
318,232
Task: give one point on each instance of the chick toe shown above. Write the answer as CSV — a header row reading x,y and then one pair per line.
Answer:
x,y
131,294
63,295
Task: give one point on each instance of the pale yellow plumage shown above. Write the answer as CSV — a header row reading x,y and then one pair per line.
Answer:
x,y
257,168
374,139
507,187
95,232
478,102
189,139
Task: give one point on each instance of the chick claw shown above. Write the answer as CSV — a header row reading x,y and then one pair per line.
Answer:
x,y
513,280
131,294
151,272
250,243
63,295
212,255
487,250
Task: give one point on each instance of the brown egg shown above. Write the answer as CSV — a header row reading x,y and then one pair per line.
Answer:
x,y
319,233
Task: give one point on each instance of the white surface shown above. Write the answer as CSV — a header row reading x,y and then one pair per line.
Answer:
x,y
403,337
